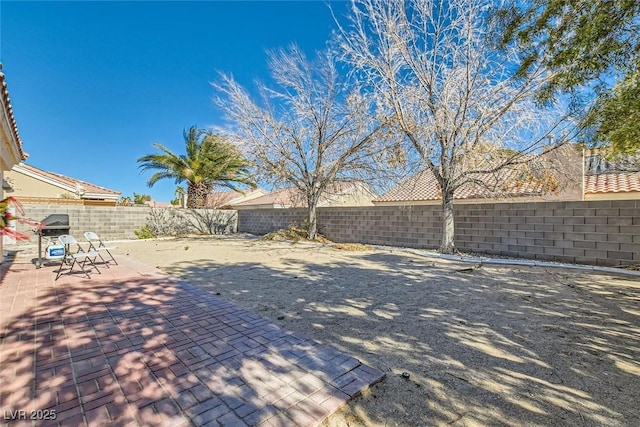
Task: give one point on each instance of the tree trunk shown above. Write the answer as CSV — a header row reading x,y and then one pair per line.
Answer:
x,y
312,218
197,194
447,245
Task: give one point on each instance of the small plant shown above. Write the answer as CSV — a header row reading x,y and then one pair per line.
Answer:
x,y
144,233
352,247
186,248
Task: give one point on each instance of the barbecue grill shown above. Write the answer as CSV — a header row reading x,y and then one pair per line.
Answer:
x,y
52,226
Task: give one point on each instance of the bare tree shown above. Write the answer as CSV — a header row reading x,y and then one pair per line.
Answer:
x,y
311,130
457,102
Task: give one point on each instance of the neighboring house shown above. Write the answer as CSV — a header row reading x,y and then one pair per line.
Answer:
x,y
559,180
11,151
32,185
612,186
228,199
154,204
354,193
606,179
577,176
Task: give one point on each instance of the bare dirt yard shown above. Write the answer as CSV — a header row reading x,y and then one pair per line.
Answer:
x,y
493,346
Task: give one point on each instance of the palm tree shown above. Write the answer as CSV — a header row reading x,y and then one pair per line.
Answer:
x,y
209,160
179,193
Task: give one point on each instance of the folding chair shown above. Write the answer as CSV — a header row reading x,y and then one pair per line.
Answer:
x,y
96,245
80,256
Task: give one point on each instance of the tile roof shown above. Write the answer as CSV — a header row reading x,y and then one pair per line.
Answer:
x,y
59,179
221,198
620,182
505,183
284,197
292,197
224,198
6,102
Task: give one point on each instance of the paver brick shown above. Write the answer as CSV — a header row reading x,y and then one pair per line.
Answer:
x,y
231,420
210,414
95,416
69,416
299,416
119,410
261,415
201,392
355,388
245,409
98,401
175,363
232,401
186,400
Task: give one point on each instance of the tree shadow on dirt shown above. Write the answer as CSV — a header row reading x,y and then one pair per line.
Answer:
x,y
494,346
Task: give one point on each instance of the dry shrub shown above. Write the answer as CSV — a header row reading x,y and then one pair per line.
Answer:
x,y
293,233
352,247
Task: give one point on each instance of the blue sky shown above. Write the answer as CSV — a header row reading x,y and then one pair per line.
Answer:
x,y
94,84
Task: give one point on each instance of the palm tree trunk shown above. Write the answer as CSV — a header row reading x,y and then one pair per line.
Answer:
x,y
197,194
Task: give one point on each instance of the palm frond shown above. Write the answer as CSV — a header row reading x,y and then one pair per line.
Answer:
x,y
209,160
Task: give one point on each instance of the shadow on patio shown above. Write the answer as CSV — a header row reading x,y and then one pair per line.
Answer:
x,y
133,346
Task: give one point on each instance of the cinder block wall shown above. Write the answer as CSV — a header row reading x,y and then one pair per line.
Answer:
x,y
594,232
111,223
263,221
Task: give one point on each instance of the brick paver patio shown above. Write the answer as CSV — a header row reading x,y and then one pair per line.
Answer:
x,y
133,346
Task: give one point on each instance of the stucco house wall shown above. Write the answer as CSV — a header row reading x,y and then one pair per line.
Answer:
x,y
11,151
26,186
358,195
33,185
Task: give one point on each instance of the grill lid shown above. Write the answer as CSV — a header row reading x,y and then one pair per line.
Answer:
x,y
56,221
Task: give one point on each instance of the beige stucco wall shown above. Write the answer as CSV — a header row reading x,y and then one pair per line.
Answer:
x,y
9,153
355,196
253,195
26,186
634,195
269,206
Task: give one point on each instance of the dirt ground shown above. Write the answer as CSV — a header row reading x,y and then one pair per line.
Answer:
x,y
498,345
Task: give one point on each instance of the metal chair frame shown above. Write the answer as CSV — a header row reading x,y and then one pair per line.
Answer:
x,y
80,257
92,238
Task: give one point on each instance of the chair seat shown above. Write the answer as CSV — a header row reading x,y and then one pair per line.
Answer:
x,y
97,245
81,256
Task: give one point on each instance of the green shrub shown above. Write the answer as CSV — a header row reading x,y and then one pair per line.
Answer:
x,y
144,233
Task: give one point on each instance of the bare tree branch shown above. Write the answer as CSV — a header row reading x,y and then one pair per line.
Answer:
x,y
451,94
312,128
